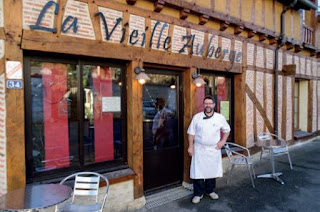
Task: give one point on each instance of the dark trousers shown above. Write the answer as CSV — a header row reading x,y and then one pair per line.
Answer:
x,y
201,186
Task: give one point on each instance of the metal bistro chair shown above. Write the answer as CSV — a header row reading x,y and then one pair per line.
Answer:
x,y
85,184
276,151
237,158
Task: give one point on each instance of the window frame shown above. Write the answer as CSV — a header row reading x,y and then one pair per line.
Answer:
x,y
79,61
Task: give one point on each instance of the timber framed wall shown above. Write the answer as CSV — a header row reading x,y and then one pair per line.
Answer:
x,y
246,37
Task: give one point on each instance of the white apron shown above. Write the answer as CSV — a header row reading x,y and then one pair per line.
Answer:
x,y
206,162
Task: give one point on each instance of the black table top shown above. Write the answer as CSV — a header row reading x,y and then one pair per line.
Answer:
x,y
35,197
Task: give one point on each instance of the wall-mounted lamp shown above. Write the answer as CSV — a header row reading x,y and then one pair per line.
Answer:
x,y
173,84
198,81
141,77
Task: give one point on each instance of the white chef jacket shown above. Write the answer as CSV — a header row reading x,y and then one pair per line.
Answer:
x,y
206,161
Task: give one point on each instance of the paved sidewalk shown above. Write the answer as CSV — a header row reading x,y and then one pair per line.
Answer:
x,y
301,191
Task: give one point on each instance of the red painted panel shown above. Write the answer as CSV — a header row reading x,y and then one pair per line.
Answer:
x,y
103,121
55,109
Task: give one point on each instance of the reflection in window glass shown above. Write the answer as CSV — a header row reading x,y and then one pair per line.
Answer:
x,y
56,118
160,121
102,113
54,115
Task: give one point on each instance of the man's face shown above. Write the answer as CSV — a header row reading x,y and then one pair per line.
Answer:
x,y
208,105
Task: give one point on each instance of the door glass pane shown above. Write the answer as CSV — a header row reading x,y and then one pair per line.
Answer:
x,y
160,108
54,123
220,88
102,132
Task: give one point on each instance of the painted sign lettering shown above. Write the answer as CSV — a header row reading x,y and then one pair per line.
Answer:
x,y
158,40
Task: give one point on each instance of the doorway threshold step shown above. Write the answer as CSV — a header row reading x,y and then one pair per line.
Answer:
x,y
301,134
163,197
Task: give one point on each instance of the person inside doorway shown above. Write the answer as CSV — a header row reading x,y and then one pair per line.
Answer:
x,y
205,143
162,126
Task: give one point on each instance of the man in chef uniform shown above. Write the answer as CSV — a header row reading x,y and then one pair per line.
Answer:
x,y
205,145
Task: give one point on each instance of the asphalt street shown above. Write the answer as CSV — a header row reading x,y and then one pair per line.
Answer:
x,y
300,192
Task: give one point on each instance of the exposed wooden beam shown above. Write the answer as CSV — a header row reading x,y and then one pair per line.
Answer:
x,y
259,107
158,5
313,53
184,14
131,2
238,30
289,69
2,34
297,48
262,37
272,40
41,41
224,25
251,33
289,45
203,19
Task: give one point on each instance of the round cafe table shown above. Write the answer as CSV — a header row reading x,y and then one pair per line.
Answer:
x,y
272,144
34,197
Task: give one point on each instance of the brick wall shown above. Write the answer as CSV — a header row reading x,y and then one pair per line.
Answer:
x,y
302,65
280,59
214,42
111,16
198,42
1,14
156,34
289,59
280,105
3,170
297,62
178,32
249,110
79,10
31,10
269,94
250,53
269,58
238,48
260,57
226,44
137,23
289,109
259,95
308,70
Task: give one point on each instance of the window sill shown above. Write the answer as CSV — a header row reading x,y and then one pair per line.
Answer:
x,y
299,134
114,177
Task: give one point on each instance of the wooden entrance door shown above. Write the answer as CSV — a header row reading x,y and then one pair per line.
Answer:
x,y
162,125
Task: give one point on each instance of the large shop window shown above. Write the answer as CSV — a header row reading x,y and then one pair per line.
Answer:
x,y
75,117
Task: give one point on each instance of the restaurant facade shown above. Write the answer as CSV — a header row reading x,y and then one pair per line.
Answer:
x,y
73,97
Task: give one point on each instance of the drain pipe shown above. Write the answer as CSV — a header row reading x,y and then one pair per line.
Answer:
x,y
281,42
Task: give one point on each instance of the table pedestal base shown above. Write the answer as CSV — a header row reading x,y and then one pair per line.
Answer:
x,y
274,176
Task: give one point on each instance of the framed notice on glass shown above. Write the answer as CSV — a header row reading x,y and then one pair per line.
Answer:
x,y
224,109
111,104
